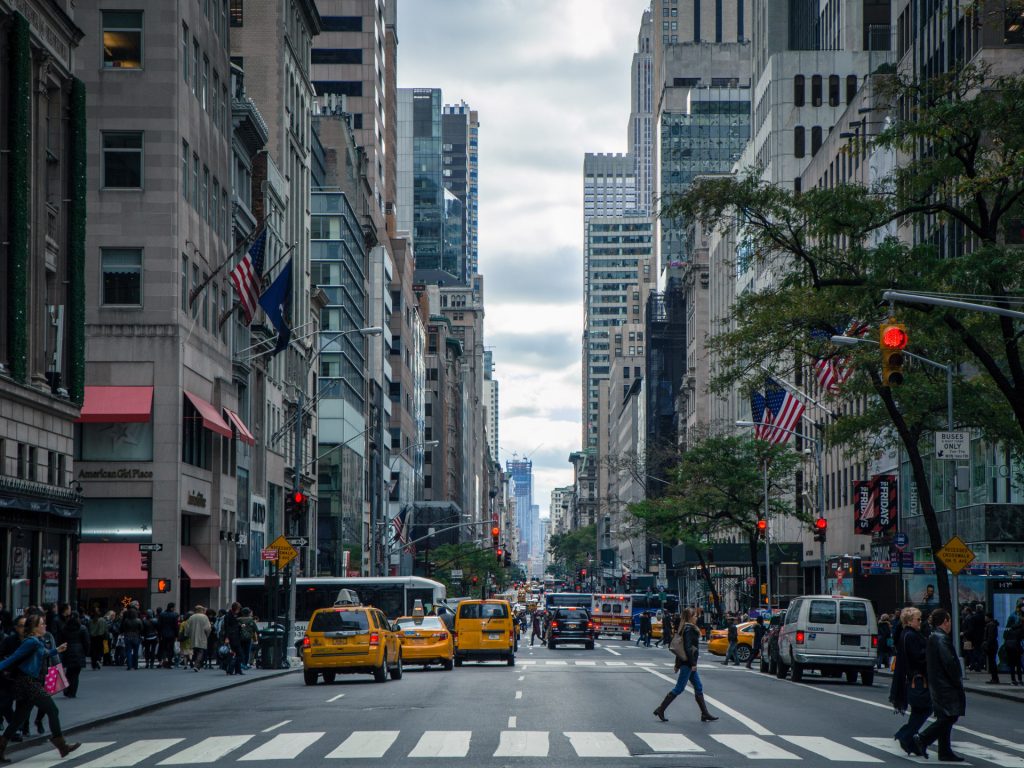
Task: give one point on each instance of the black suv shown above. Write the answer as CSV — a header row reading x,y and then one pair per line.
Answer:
x,y
571,625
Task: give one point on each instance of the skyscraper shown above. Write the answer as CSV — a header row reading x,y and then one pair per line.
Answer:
x,y
521,471
460,128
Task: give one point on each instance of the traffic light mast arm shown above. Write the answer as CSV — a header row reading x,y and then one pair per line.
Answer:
x,y
391,550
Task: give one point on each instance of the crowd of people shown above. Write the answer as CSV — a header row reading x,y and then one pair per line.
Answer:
x,y
39,639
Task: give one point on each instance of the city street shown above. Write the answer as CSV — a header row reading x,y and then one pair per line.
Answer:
x,y
563,707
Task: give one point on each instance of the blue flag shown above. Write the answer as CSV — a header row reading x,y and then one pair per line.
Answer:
x,y
275,302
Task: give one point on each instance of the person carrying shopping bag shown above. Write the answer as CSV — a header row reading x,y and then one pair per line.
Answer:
x,y
909,687
685,645
26,664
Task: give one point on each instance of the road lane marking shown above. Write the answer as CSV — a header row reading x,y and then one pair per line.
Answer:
x,y
47,759
830,750
519,694
284,746
512,721
753,725
993,739
616,664
365,744
644,664
522,677
208,750
753,747
275,727
890,747
556,663
335,698
527,661
522,744
1002,759
612,651
669,742
133,754
586,663
442,744
597,744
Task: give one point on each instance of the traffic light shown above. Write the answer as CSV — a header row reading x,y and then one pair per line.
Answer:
x,y
296,504
508,559
820,529
495,533
892,337
475,579
147,561
500,554
762,528
163,585
583,573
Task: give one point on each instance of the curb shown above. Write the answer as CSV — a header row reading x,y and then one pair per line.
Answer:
x,y
146,708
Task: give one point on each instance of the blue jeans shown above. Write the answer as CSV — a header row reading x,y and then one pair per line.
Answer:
x,y
731,654
131,652
685,674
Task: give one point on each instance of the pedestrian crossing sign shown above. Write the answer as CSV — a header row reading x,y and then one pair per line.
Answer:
x,y
285,551
956,555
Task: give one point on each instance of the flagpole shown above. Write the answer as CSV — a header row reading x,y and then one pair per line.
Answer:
x,y
234,307
792,388
194,293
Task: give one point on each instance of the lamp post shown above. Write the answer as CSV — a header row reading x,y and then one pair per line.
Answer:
x,y
821,501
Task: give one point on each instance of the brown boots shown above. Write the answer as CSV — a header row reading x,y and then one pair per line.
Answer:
x,y
63,747
705,716
660,711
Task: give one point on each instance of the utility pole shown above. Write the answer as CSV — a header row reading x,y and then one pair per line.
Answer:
x,y
296,487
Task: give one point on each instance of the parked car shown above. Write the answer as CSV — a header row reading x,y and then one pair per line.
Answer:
x,y
770,643
832,634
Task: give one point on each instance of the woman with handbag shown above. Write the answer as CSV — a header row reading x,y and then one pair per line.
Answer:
x,y
685,645
910,680
27,665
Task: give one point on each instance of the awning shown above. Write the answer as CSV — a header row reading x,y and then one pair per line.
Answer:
x,y
116,404
197,569
243,431
110,566
211,418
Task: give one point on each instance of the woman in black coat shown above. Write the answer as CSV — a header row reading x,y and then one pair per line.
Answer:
x,y
946,685
74,635
910,679
688,637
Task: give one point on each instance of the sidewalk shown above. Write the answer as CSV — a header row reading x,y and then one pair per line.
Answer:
x,y
974,682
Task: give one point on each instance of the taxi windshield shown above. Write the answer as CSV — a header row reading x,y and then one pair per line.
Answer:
x,y
427,622
340,621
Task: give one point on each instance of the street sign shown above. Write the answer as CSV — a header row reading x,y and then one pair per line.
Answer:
x,y
456,573
285,551
956,555
952,446
298,541
151,547
900,541
268,554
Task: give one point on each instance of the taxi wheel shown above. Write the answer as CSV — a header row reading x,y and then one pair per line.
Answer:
x,y
396,672
743,653
590,646
309,676
380,674
458,662
448,664
511,659
328,677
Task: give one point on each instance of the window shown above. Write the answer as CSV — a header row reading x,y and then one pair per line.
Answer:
x,y
822,612
204,195
798,91
196,442
122,160
851,612
815,140
215,99
184,283
337,56
195,181
224,308
816,91
122,276
184,169
195,286
235,13
205,314
122,39
833,90
195,67
798,141
214,201
851,88
225,224
341,23
184,51
205,92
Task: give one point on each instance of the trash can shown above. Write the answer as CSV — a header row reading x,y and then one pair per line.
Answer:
x,y
272,648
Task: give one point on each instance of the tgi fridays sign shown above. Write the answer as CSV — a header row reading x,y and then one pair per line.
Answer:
x,y
874,505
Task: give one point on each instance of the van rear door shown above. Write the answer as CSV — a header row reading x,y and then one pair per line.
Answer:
x,y
855,630
821,634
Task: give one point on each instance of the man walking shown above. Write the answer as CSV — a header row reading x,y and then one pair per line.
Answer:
x,y
233,637
645,629
990,645
167,628
755,652
733,636
946,687
537,631
197,630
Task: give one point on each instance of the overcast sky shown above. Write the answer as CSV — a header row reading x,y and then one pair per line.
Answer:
x,y
550,79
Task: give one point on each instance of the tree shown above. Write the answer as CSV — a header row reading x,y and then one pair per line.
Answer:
x,y
572,549
718,488
833,251
472,561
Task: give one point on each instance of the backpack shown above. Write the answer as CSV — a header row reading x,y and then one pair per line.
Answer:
x,y
246,629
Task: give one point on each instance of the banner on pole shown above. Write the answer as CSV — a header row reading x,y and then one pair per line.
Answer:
x,y
885,499
863,509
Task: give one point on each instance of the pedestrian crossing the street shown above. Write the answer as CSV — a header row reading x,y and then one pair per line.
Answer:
x,y
453,746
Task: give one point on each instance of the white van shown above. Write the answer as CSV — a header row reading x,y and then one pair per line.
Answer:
x,y
832,634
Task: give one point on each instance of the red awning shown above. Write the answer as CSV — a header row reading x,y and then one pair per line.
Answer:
x,y
117,404
243,431
211,418
197,569
110,566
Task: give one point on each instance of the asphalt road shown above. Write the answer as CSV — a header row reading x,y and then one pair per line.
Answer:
x,y
567,707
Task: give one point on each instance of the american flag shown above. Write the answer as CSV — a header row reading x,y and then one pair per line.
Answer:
x,y
786,410
247,277
761,415
833,371
401,536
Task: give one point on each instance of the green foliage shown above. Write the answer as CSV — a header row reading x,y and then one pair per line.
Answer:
x,y
572,549
472,561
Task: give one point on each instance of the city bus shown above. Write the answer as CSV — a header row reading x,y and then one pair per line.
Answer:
x,y
395,595
613,614
649,601
554,600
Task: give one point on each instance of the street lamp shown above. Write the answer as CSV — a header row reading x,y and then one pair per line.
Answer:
x,y
821,502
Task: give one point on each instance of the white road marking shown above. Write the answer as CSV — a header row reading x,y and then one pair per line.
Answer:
x,y
753,725
830,750
556,663
365,744
586,663
752,747
994,739
208,750
522,677
597,744
616,664
512,721
616,653
442,744
275,727
335,698
132,754
889,747
522,744
48,759
669,742
1002,759
527,661
519,694
644,664
284,746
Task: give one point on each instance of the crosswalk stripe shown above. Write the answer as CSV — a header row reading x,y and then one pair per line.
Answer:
x,y
888,746
284,746
669,742
644,664
616,663
207,751
365,744
597,744
586,663
522,744
50,757
442,744
132,754
556,663
753,747
1002,759
829,749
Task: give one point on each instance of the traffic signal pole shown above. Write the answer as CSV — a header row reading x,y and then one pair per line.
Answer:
x,y
767,545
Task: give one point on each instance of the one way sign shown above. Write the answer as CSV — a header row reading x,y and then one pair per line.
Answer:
x,y
297,541
952,446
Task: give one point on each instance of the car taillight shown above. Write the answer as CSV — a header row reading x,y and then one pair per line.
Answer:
x,y
306,642
374,638
874,641
440,635
554,625
800,637
591,625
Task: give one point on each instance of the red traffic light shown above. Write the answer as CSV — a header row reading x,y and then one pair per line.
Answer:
x,y
894,336
583,571
499,553
298,497
821,524
495,531
762,525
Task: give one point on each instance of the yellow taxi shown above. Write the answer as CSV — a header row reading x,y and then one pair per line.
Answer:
x,y
484,631
350,638
718,641
426,640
